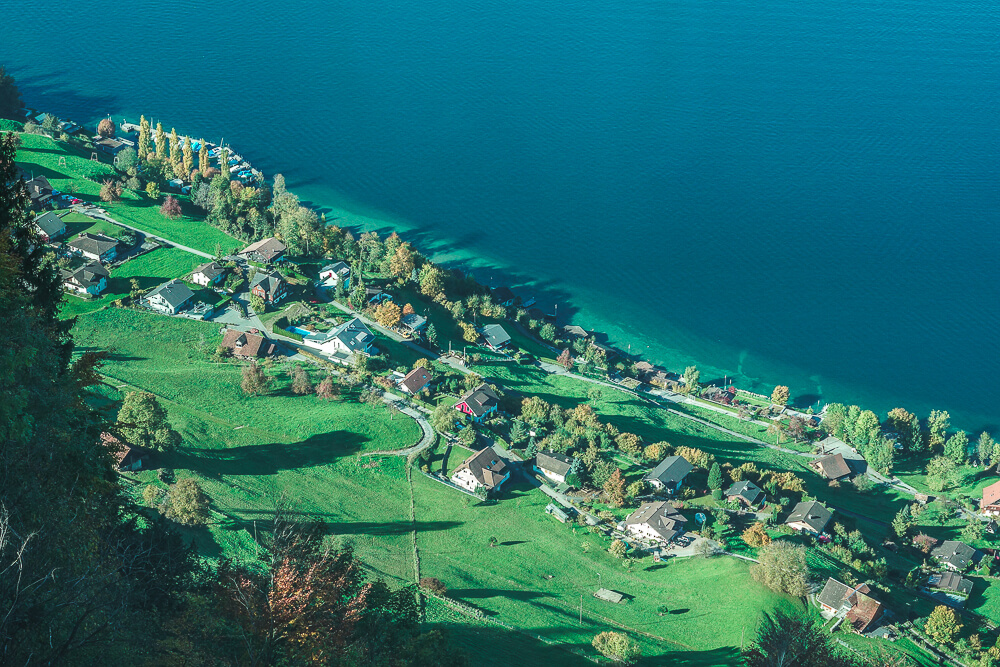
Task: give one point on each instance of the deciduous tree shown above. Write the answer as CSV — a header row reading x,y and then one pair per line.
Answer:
x,y
187,503
161,142
780,395
942,625
956,447
937,428
143,422
111,191
255,380
787,640
756,535
388,314
691,377
11,105
618,549
301,385
565,359
106,128
171,208
327,389
782,568
617,647
144,138
615,488
188,158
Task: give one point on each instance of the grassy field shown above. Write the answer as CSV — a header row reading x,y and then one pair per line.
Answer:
x,y
81,176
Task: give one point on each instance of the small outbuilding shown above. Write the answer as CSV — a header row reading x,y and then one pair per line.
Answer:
x,y
609,595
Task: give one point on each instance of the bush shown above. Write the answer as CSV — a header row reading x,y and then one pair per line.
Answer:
x,y
617,646
433,585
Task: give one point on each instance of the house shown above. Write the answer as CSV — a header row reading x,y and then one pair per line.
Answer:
x,y
832,467
247,345
503,296
957,556
49,226
349,338
810,517
746,493
495,336
415,381
267,250
413,323
574,331
125,457
112,147
658,522
336,274
479,402
271,287
859,610
553,465
169,298
951,583
208,274
990,504
91,278
484,469
40,191
97,247
669,474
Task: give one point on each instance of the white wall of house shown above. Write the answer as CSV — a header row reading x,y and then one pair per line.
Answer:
x,y
203,280
644,531
465,479
552,475
157,302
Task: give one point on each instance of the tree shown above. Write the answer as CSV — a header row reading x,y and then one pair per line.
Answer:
x,y
655,451
401,264
903,522
547,332
388,314
175,155
782,568
161,142
187,503
691,377
144,138
615,488
431,281
715,477
907,427
327,389
11,105
257,304
565,359
143,422
780,395
973,530
937,427
301,385
940,471
956,447
985,448
444,417
152,190
203,159
111,191
942,625
255,380
787,640
106,128
617,549
616,646
866,428
493,541
127,159
756,535
834,420
432,336
629,443
171,208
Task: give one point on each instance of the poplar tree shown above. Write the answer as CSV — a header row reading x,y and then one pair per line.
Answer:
x,y
161,142
203,157
224,162
188,157
174,154
143,138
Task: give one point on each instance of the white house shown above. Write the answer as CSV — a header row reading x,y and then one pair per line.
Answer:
x,y
91,278
170,297
346,339
483,469
208,274
553,465
336,273
97,247
655,522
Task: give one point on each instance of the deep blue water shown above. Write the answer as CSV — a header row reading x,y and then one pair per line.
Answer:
x,y
798,192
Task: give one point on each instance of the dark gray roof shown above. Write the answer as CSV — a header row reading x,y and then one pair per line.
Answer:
x,y
746,490
480,400
661,516
267,249
670,471
413,322
950,581
354,335
959,555
95,244
553,462
495,335
269,282
50,223
210,269
812,514
174,293
90,274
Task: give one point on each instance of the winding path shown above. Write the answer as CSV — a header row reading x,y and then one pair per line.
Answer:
x,y
95,213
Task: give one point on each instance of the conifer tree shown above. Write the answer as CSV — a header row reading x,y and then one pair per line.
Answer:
x,y
161,142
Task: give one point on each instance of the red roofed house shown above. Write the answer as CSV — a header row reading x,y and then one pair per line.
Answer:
x,y
247,345
858,608
415,381
990,504
125,457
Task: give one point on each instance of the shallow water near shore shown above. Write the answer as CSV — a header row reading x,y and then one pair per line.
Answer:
x,y
804,193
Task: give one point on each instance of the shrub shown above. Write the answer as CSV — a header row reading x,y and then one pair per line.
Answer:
x,y
616,646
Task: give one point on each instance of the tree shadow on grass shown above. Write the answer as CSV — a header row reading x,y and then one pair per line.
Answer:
x,y
268,459
483,593
264,518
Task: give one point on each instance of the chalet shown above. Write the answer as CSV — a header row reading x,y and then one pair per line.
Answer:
x,y
97,247
415,381
124,456
956,556
495,337
483,469
412,323
479,403
669,474
860,611
336,274
657,522
574,331
810,517
247,345
40,192
553,465
952,584
208,274
832,467
91,278
351,337
111,146
169,298
990,504
49,226
267,250
746,493
271,287
503,296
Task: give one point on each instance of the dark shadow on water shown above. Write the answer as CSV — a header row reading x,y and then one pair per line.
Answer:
x,y
803,401
268,459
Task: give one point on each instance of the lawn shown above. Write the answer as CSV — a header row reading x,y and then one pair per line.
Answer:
x,y
535,578
81,176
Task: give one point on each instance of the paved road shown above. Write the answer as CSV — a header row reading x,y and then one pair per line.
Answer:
x,y
427,436
95,213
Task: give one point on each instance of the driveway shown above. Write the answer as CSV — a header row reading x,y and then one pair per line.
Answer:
x,y
94,212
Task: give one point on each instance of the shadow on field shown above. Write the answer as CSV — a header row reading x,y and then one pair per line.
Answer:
x,y
343,527
726,655
482,593
268,459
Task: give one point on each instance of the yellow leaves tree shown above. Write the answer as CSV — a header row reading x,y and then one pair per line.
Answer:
x,y
780,395
756,535
388,314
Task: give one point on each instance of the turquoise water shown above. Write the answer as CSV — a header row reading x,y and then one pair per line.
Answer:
x,y
800,192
